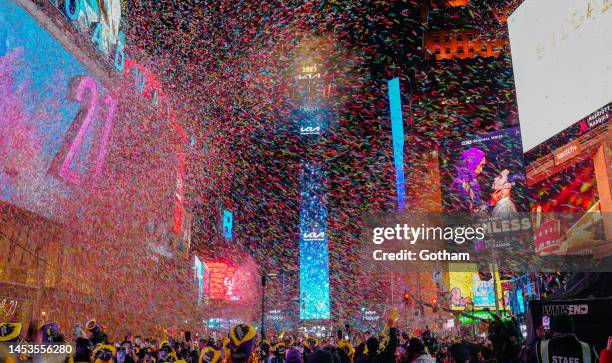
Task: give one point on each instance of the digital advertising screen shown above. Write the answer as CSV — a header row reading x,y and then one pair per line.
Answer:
x,y
484,174
55,117
461,285
199,270
314,254
229,281
71,149
468,291
561,63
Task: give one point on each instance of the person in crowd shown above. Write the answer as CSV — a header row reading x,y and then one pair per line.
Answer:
x,y
505,339
278,352
9,333
564,346
210,354
346,352
606,354
458,353
320,356
242,343
372,354
103,353
96,334
293,355
263,351
310,345
416,352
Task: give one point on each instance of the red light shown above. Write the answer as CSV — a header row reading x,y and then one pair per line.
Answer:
x,y
434,301
406,296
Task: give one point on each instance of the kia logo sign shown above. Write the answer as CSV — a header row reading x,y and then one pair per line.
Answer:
x,y
313,236
310,130
309,76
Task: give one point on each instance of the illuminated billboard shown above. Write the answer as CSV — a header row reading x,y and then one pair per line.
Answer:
x,y
56,121
229,281
314,258
219,279
397,134
311,92
475,168
561,63
71,150
469,291
461,285
199,269
228,224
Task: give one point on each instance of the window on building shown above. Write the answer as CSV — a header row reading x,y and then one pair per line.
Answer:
x,y
460,50
470,37
437,39
483,47
493,48
447,38
459,38
471,50
437,51
447,50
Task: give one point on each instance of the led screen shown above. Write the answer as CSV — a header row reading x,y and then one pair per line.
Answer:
x,y
53,115
561,60
75,152
397,134
228,224
314,260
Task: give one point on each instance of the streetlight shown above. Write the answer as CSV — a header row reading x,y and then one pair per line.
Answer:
x,y
470,304
263,302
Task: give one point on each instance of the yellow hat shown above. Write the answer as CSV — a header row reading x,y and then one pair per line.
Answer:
x,y
9,331
210,355
346,346
103,353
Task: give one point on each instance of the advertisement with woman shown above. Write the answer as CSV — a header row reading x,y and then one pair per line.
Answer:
x,y
484,174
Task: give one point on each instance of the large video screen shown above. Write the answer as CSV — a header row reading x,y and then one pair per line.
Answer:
x,y
561,60
475,168
46,95
314,253
75,151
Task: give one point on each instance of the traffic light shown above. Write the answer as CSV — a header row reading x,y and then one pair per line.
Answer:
x,y
406,297
434,304
485,276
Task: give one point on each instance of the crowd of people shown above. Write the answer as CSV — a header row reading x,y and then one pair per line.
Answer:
x,y
243,344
